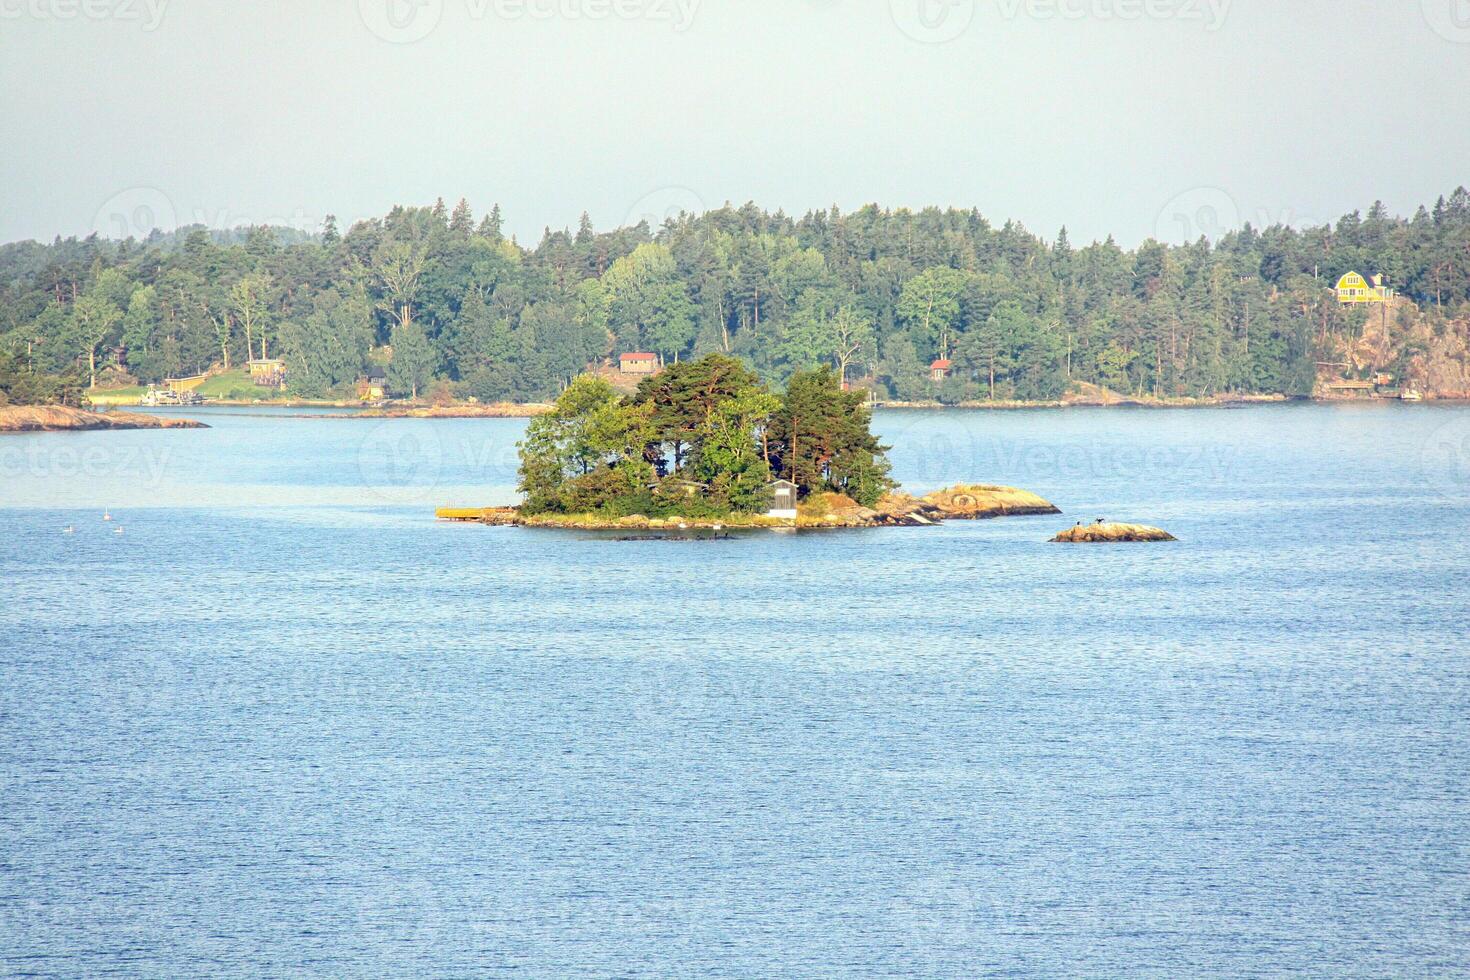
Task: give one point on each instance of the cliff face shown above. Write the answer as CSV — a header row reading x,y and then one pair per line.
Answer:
x,y
1442,368
60,418
1426,352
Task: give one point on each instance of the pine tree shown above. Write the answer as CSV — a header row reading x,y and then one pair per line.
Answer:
x,y
490,225
820,439
461,222
413,359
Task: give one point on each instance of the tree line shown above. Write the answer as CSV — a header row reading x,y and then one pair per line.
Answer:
x,y
451,306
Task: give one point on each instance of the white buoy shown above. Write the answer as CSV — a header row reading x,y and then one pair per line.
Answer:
x,y
68,530
117,530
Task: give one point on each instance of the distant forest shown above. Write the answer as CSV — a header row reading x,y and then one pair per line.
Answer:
x,y
450,307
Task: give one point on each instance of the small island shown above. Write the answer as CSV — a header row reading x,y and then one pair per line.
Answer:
x,y
63,418
705,444
1104,533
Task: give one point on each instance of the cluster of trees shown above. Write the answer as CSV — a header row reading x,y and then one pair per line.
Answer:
x,y
449,303
20,385
703,438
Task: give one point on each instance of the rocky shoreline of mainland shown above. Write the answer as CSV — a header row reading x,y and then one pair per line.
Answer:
x,y
494,410
63,418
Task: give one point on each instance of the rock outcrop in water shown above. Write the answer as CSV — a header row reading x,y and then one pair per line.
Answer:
x,y
980,502
60,418
1111,534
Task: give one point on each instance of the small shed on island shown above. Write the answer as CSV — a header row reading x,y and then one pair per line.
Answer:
x,y
939,370
783,499
638,362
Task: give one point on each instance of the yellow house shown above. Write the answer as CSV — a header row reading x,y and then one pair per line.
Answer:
x,y
1353,288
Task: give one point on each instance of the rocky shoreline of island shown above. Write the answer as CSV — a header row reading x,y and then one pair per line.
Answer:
x,y
830,511
64,418
820,510
706,447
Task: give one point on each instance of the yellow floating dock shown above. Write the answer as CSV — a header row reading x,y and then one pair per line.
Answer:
x,y
460,513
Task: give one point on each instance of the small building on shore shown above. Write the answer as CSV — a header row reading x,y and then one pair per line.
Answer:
x,y
940,369
373,385
181,385
638,362
268,372
783,499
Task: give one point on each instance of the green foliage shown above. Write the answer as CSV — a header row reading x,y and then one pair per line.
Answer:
x,y
820,439
729,460
326,351
877,294
21,384
1013,356
413,359
648,307
930,306
697,440
587,453
683,400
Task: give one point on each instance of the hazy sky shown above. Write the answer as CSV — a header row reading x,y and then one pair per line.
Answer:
x,y
1135,117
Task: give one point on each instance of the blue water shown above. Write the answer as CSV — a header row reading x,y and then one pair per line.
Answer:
x,y
287,724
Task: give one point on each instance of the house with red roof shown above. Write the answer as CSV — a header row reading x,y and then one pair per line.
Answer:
x,y
638,362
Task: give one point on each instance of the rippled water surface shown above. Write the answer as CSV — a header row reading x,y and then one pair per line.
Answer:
x,y
285,723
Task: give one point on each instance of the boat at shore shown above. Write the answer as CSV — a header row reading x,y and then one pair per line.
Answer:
x,y
155,397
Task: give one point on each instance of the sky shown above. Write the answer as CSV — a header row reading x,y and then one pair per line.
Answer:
x,y
1136,118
